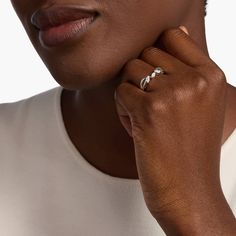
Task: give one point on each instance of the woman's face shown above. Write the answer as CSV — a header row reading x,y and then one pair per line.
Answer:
x,y
120,32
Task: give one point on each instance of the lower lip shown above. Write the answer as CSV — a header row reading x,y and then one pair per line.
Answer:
x,y
59,34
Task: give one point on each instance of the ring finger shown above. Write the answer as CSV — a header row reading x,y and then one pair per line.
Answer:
x,y
135,70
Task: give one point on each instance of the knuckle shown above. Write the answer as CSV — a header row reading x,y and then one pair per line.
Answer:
x,y
153,105
130,67
216,73
149,50
121,89
202,84
220,76
218,79
190,90
172,32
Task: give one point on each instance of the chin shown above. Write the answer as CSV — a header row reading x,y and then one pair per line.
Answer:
x,y
74,75
82,69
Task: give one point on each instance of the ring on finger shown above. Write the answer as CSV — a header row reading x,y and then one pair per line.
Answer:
x,y
146,80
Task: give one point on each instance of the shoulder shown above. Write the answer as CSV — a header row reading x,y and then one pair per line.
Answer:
x,y
22,106
26,122
15,115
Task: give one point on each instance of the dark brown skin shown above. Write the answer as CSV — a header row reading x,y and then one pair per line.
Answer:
x,y
177,126
95,66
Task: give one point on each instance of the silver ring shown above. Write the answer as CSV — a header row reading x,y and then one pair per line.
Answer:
x,y
146,80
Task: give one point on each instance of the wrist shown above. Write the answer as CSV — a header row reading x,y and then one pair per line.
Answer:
x,y
206,217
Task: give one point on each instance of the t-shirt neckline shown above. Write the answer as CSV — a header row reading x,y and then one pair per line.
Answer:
x,y
82,161
74,152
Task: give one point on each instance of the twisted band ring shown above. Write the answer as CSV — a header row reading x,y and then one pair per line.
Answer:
x,y
146,80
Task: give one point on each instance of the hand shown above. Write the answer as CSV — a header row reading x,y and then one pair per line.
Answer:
x,y
176,124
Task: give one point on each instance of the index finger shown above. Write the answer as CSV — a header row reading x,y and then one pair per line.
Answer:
x,y
180,45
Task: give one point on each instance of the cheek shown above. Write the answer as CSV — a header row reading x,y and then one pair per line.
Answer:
x,y
22,8
93,61
100,56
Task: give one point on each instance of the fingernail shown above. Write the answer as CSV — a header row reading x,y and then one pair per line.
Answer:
x,y
184,29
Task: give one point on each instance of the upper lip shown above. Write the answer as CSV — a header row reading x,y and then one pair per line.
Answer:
x,y
45,18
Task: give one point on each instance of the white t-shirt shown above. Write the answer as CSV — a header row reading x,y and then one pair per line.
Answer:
x,y
47,188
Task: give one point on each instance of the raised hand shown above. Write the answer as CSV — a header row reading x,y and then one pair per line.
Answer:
x,y
177,126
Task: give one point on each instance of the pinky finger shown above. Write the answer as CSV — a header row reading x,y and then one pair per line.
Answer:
x,y
128,96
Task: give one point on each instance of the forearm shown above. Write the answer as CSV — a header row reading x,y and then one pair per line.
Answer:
x,y
210,218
